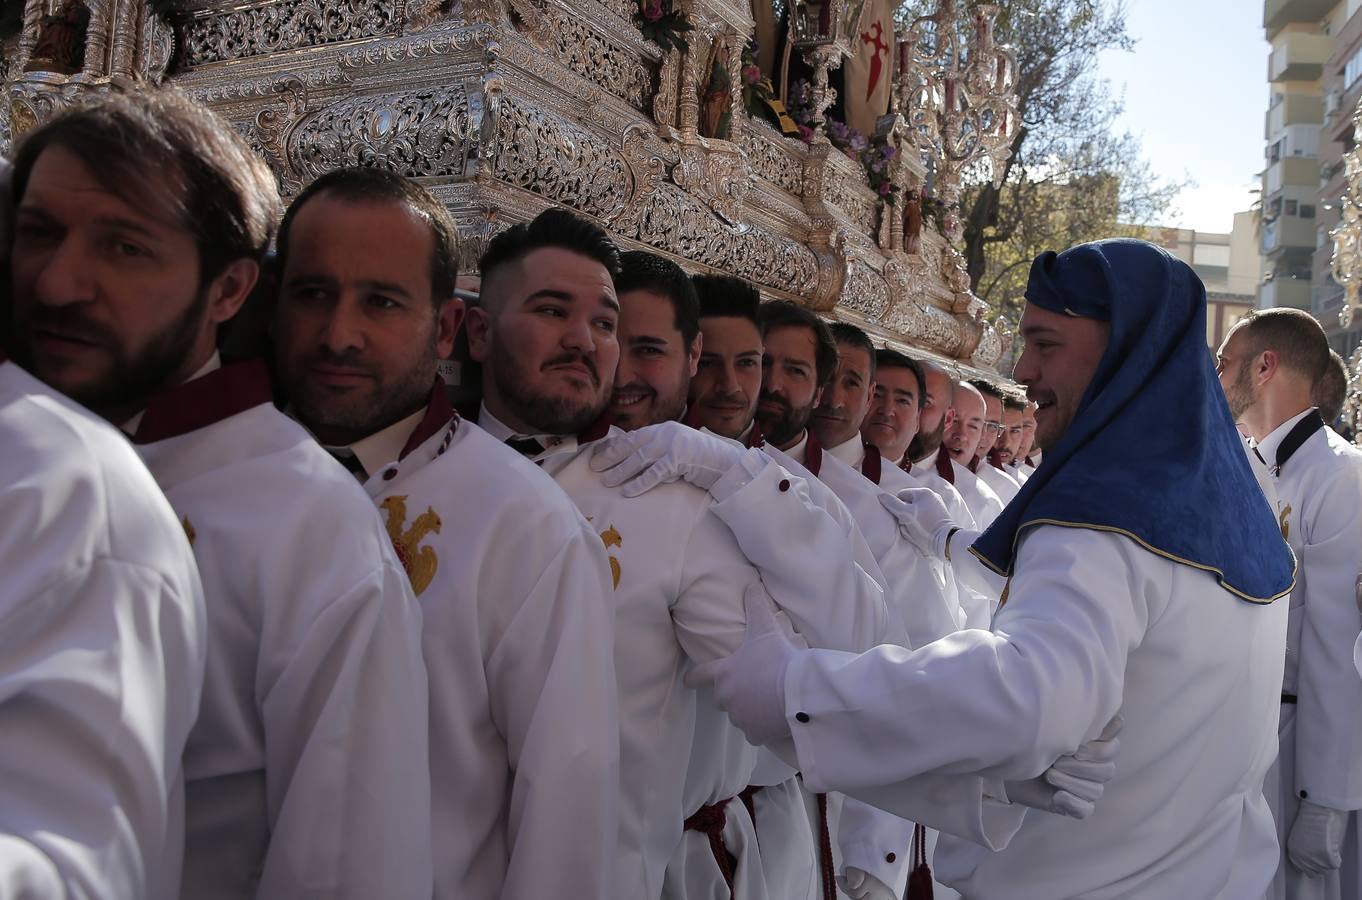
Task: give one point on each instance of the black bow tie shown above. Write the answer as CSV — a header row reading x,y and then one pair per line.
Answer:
x,y
527,447
351,462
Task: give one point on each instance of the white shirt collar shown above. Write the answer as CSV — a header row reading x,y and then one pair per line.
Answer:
x,y
1267,447
928,461
214,363
851,452
796,452
379,449
556,443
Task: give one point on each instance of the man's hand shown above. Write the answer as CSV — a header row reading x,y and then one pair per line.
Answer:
x,y
1315,844
639,461
859,884
750,684
1075,783
923,519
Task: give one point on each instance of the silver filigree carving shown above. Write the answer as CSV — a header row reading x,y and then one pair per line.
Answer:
x,y
770,161
717,173
412,133
283,25
558,160
864,291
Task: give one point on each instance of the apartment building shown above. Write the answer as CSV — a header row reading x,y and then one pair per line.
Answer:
x,y
1315,81
1229,265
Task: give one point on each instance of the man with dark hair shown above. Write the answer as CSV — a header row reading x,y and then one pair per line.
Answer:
x,y
1014,412
1270,364
937,415
1027,457
799,359
141,221
659,340
727,382
102,656
829,560
545,332
1153,596
1331,390
513,584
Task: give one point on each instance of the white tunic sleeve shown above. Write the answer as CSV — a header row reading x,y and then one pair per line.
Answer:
x,y
552,690
1000,705
1329,714
812,558
95,673
345,714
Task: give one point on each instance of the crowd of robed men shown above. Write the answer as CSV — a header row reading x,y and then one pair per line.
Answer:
x,y
698,597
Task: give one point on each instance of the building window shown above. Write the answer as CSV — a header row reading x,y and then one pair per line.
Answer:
x,y
1307,211
1290,207
1353,69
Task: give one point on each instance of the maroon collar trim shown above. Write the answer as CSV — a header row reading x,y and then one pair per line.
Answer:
x,y
439,413
196,404
993,460
596,430
974,464
813,455
692,417
872,464
754,436
944,467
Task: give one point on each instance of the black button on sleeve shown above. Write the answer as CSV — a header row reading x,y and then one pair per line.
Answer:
x,y
802,718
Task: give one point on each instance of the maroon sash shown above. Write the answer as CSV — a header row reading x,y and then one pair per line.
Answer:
x,y
944,467
872,463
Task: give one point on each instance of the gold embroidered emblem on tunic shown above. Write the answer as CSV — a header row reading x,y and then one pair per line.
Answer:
x,y
612,538
420,562
188,530
1284,523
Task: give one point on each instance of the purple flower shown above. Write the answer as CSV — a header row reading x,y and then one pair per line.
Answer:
x,y
877,167
888,152
752,74
857,140
806,134
885,188
652,10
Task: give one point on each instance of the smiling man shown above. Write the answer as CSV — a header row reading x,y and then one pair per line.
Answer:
x,y
660,341
1129,592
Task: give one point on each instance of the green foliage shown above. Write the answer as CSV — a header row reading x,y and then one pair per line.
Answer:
x,y
1073,175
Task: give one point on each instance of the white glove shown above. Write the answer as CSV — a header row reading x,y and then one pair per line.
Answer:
x,y
750,684
642,459
1315,844
859,884
1075,783
923,519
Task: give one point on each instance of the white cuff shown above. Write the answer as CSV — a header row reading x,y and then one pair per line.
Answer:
x,y
750,464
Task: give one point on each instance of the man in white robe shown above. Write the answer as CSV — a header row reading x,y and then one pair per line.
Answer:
x,y
513,583
1155,600
966,433
102,650
142,220
985,463
921,591
864,845
545,333
1269,364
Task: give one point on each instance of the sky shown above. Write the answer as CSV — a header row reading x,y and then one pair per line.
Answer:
x,y
1195,92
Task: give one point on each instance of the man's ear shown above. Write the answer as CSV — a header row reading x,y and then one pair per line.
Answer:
x,y
1265,367
448,320
693,355
478,328
229,290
